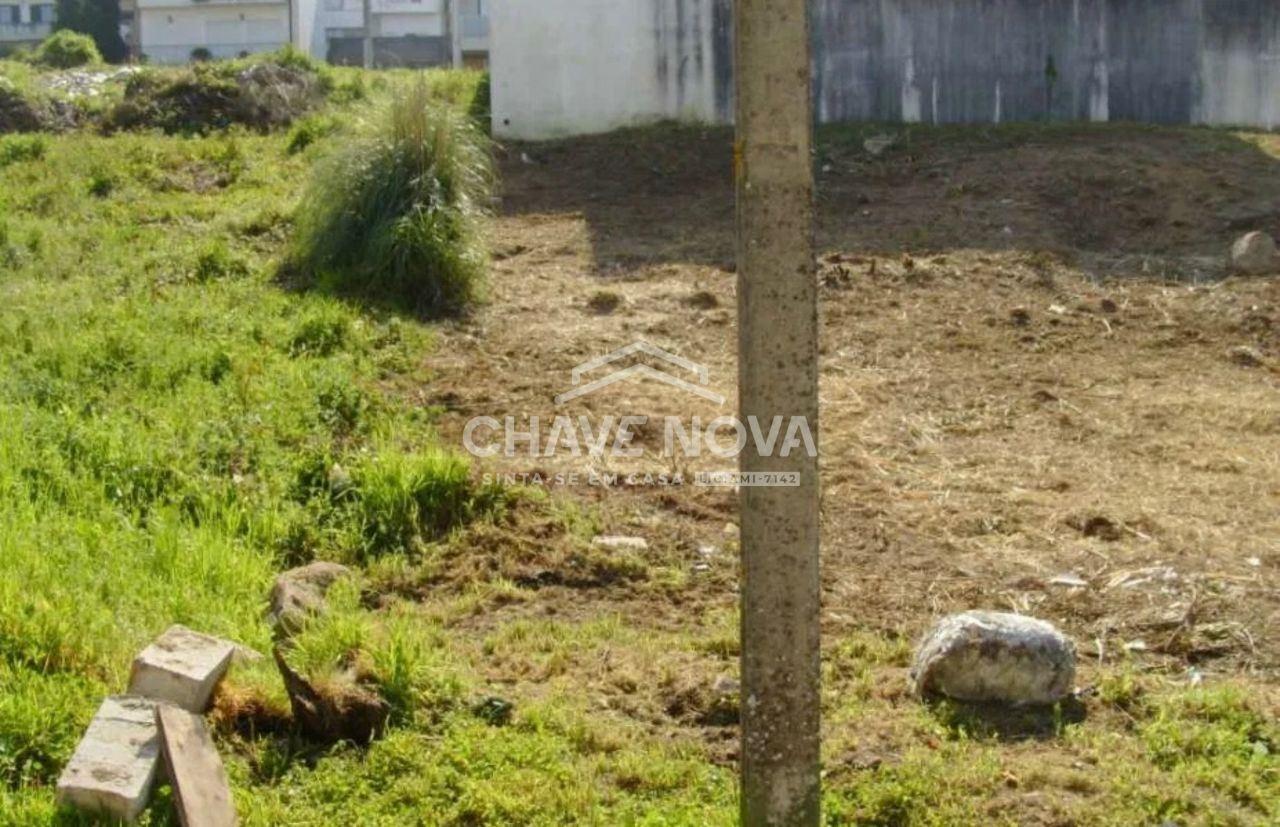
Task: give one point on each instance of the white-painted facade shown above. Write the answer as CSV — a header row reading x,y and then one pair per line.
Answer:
x,y
172,30
25,22
405,32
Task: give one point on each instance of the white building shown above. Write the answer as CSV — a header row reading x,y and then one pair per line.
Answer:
x,y
410,33
24,23
175,31
403,32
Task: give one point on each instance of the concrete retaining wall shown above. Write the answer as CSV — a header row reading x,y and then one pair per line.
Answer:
x,y
564,67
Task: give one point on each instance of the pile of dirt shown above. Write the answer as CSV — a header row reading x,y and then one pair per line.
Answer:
x,y
17,113
261,96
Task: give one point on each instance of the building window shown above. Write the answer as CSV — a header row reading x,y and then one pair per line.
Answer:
x,y
10,15
42,13
333,5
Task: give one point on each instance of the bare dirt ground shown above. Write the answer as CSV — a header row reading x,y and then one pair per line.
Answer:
x,y
1040,392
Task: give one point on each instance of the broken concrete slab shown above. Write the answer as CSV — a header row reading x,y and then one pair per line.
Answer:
x,y
201,791
114,766
181,667
995,657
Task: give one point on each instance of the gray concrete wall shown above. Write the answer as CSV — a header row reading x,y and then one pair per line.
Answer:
x,y
559,68
1159,61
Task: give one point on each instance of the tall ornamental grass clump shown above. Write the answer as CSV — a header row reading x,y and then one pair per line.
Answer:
x,y
393,214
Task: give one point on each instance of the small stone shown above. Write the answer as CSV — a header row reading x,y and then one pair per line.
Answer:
x,y
995,657
726,685
114,766
614,543
181,667
1253,254
300,593
1246,357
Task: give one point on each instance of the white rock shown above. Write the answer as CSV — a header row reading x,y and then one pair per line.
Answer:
x,y
182,667
1254,253
114,766
622,543
996,657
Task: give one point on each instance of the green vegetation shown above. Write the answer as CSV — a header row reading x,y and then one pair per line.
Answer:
x,y
177,425
99,19
66,49
15,148
395,212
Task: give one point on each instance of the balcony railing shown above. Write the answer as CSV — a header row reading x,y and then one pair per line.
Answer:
x,y
22,32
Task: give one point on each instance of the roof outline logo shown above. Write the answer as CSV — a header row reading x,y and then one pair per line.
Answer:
x,y
640,370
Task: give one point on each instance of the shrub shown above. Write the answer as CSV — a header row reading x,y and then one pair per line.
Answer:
x,y
201,55
65,49
16,148
394,213
309,130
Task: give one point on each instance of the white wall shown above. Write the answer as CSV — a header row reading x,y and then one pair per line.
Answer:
x,y
170,34
564,67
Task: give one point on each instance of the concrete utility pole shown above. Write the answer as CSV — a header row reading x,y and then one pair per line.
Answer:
x,y
366,42
455,31
778,376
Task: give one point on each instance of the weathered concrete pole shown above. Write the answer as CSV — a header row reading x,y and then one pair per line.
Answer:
x,y
778,376
366,39
455,32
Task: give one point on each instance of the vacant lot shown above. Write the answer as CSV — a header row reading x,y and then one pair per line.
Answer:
x,y
1039,393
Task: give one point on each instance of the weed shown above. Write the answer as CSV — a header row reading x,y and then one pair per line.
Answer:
x,y
309,130
394,213
18,148
102,183
216,261
322,332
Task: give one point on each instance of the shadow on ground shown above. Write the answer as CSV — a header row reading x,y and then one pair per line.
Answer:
x,y
1112,192
1005,723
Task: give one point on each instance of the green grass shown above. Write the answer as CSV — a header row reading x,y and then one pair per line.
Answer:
x,y
175,428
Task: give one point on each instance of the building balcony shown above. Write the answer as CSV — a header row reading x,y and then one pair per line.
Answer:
x,y
24,32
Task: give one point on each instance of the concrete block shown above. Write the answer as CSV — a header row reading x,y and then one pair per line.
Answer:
x,y
114,766
181,667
